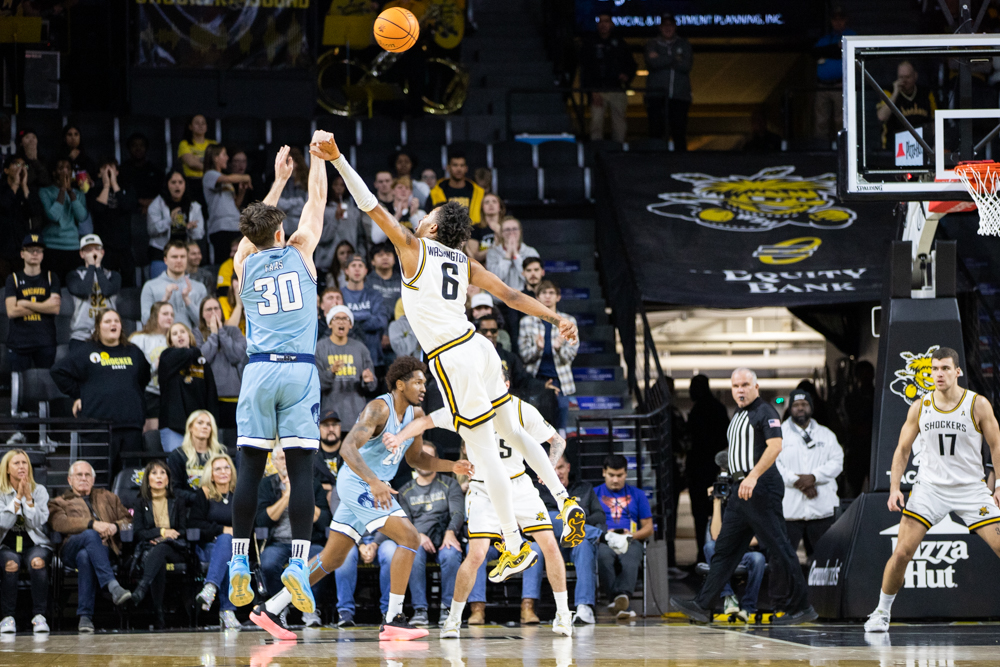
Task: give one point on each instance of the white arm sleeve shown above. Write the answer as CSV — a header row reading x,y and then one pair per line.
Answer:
x,y
355,184
442,419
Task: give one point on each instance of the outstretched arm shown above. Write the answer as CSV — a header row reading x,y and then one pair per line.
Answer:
x,y
283,167
519,301
987,420
405,243
306,237
372,418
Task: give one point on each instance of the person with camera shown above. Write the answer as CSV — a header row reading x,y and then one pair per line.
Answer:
x,y
753,561
755,509
810,460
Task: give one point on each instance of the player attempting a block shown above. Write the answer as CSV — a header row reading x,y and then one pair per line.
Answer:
x,y
531,513
436,274
366,502
952,422
279,395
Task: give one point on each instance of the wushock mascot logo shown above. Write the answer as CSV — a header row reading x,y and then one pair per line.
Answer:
x,y
767,200
914,380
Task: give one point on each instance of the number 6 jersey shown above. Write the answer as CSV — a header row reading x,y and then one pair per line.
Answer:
x,y
434,298
952,443
279,299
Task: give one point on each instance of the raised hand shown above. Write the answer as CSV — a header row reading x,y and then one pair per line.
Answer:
x,y
464,467
283,164
568,330
324,148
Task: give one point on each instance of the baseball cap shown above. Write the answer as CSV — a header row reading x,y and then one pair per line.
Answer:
x,y
481,300
33,239
667,17
802,396
357,258
90,239
328,416
339,309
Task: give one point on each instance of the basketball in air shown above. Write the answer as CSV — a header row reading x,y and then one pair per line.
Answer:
x,y
396,29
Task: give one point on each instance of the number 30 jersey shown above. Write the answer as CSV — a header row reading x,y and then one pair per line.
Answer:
x,y
951,454
434,298
279,299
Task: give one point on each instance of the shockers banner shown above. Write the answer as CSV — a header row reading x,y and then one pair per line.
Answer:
x,y
739,231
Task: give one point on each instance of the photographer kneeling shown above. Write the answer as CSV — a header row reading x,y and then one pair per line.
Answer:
x,y
754,444
753,561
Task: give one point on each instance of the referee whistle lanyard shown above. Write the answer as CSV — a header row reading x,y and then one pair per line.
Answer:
x,y
807,439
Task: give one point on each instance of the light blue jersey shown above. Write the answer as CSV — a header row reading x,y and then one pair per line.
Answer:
x,y
357,513
279,299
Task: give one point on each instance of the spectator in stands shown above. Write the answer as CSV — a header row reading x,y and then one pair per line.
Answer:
x,y
706,424
111,208
272,513
330,297
546,355
341,223
630,523
383,188
106,379
482,306
196,271
405,206
16,204
385,279
328,460
753,561
232,307
483,177
27,149
186,384
172,215
32,301
65,207
225,349
160,525
152,340
916,102
533,271
187,462
584,555
84,169
191,152
93,288
457,188
429,177
24,540
213,516
343,254
346,370
175,287
810,461
606,65
829,75
139,174
521,382
484,234
668,87
506,258
436,506
224,279
90,520
401,337
404,164
224,195
293,197
371,315
239,163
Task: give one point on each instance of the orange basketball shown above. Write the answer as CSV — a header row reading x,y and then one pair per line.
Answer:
x,y
396,29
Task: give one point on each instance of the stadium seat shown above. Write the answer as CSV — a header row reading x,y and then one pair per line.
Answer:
x,y
592,148
130,304
126,485
563,184
559,154
476,153
648,144
244,132
518,185
512,154
427,130
370,161
290,131
380,131
344,129
429,155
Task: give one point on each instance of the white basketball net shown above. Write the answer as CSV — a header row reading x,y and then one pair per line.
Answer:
x,y
983,188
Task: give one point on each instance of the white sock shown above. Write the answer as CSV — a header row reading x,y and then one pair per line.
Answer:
x,y
561,497
562,601
512,538
278,602
456,609
885,602
241,546
300,549
395,606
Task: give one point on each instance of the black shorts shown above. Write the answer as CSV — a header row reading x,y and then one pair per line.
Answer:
x,y
152,405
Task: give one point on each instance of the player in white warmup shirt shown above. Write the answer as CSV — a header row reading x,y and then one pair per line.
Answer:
x,y
952,423
532,515
436,274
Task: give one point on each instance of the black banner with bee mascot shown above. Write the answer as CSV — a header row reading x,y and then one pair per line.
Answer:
x,y
740,231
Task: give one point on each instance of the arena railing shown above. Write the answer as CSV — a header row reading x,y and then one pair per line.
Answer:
x,y
58,442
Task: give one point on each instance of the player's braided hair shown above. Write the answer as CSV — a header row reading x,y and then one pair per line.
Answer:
x,y
454,225
402,369
259,222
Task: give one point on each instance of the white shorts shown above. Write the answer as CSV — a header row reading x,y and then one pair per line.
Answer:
x,y
532,515
470,377
973,503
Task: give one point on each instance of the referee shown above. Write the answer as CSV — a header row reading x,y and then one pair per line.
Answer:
x,y
754,436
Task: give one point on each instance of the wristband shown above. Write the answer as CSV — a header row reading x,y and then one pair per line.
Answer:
x,y
365,200
90,524
163,532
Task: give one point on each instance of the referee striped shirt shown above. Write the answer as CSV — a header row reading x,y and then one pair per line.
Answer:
x,y
748,433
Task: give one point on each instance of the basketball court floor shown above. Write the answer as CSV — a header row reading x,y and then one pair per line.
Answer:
x,y
653,642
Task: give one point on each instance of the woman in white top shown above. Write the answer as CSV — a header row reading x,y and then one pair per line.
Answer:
x,y
403,163
152,340
224,195
507,254
173,214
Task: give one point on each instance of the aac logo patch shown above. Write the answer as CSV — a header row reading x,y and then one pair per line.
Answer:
x,y
914,380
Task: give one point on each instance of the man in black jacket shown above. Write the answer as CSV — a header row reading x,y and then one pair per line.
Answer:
x,y
584,555
607,65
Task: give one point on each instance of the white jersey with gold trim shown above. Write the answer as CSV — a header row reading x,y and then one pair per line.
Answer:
x,y
951,452
434,298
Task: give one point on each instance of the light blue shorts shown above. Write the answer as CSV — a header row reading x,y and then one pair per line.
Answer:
x,y
357,513
278,400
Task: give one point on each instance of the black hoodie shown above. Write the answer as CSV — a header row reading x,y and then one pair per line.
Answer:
x,y
110,381
186,385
